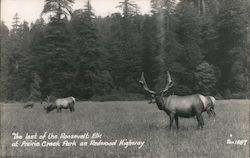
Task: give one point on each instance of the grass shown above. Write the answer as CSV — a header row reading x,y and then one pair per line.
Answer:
x,y
137,121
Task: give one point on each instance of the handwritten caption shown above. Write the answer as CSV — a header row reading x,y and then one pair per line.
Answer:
x,y
236,141
48,139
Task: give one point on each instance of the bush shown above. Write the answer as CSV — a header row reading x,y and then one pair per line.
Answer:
x,y
205,77
20,94
239,95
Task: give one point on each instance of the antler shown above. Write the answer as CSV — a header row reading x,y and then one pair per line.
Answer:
x,y
144,84
169,84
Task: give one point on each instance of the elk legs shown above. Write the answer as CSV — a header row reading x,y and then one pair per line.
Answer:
x,y
171,117
59,109
176,121
71,108
200,121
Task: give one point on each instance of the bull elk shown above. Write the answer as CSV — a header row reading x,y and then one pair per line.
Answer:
x,y
59,104
180,106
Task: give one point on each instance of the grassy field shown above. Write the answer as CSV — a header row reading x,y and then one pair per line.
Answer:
x,y
137,121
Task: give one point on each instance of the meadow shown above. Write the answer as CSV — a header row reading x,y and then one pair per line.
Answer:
x,y
137,121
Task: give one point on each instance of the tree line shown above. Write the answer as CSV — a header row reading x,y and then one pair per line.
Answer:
x,y
204,44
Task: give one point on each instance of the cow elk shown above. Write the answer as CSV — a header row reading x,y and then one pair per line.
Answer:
x,y
180,106
59,104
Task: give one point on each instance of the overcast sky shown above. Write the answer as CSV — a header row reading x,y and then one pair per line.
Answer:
x,y
30,10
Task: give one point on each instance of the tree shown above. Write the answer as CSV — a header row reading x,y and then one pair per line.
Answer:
x,y
190,53
205,77
129,45
128,8
232,22
35,92
16,52
90,71
189,34
60,8
4,37
160,5
113,47
239,72
149,63
37,45
15,23
209,31
201,6
57,66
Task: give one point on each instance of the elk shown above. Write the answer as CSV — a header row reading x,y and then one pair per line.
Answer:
x,y
29,104
178,106
61,103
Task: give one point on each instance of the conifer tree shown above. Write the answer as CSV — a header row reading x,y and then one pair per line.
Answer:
x,y
4,72
35,92
90,73
231,55
189,38
57,66
60,8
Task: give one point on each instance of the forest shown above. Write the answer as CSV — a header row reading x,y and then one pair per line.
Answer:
x,y
204,44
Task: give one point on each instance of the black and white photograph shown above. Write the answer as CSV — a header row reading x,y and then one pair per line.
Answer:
x,y
124,78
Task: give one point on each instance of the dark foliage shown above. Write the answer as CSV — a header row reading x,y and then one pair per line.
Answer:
x,y
204,46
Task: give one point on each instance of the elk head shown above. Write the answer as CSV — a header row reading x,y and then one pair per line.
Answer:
x,y
157,96
47,103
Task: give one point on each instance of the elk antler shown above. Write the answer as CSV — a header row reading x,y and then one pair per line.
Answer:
x,y
169,84
144,84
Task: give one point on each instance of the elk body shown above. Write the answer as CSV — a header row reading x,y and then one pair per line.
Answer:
x,y
62,103
180,106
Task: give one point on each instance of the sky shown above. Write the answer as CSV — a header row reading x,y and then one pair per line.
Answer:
x,y
29,10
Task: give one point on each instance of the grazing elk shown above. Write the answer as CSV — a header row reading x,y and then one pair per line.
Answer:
x,y
59,104
178,106
29,104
